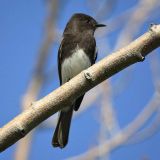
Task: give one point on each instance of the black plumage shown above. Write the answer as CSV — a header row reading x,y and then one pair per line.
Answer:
x,y
78,41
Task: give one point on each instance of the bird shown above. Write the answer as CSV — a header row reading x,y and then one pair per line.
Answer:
x,y
76,53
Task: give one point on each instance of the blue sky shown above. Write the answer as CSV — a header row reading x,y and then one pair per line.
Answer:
x,y
21,33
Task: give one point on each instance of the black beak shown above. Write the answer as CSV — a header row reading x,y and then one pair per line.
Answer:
x,y
100,25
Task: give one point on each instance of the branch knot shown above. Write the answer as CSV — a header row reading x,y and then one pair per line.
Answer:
x,y
88,75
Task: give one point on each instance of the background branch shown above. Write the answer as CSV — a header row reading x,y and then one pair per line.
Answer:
x,y
122,136
37,80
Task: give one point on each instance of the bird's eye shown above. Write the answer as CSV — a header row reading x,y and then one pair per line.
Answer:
x,y
88,21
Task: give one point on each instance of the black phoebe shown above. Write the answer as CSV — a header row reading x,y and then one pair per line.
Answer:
x,y
76,53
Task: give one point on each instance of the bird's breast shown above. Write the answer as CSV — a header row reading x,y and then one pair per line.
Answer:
x,y
74,64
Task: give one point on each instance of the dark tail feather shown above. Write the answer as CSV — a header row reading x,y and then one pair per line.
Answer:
x,y
60,137
78,103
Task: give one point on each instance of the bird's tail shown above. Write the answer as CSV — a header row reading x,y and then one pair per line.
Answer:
x,y
60,137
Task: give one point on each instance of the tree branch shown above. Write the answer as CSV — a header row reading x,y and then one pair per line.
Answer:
x,y
87,79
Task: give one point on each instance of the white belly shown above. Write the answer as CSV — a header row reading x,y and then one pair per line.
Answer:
x,y
74,65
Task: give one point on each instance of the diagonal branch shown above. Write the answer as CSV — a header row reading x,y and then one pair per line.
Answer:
x,y
64,95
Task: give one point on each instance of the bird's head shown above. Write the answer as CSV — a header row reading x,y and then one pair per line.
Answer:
x,y
80,22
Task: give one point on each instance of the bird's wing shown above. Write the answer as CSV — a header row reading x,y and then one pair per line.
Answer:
x,y
89,47
59,62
